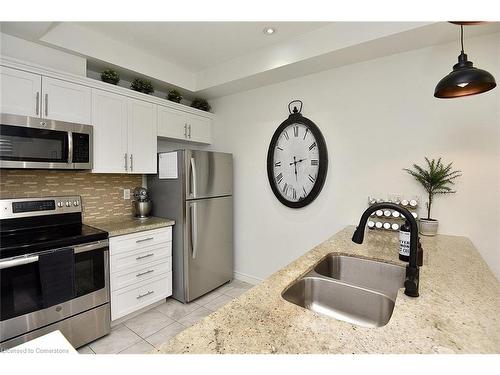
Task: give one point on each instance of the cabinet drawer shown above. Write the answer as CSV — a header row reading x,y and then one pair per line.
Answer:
x,y
140,256
127,300
123,244
140,273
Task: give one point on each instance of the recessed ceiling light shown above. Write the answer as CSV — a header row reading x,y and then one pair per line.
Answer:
x,y
269,31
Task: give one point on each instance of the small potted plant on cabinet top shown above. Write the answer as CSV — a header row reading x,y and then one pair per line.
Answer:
x,y
110,76
200,103
142,85
436,179
174,96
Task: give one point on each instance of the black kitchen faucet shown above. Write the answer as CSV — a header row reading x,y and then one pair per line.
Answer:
x,y
412,270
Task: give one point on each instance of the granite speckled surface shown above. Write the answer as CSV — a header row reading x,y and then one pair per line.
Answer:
x,y
127,225
458,310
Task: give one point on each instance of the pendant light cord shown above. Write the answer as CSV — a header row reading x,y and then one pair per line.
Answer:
x,y
462,37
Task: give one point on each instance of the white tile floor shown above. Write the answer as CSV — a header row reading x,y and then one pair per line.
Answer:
x,y
147,331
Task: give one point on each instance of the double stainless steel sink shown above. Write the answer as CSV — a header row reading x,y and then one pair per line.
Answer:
x,y
355,290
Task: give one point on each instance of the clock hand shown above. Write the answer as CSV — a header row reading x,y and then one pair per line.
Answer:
x,y
295,166
301,160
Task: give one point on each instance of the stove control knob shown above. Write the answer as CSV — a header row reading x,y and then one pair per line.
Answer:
x,y
75,203
68,204
59,204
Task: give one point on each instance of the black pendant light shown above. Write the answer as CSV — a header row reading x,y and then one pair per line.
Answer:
x,y
464,80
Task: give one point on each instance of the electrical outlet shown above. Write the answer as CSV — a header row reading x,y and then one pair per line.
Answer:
x,y
126,193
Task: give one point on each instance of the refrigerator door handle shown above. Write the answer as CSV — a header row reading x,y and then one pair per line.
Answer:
x,y
194,230
193,178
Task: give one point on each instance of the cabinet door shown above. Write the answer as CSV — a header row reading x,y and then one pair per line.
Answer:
x,y
66,101
171,123
20,92
142,130
109,117
200,129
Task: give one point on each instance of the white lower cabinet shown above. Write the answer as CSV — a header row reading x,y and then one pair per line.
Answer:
x,y
140,270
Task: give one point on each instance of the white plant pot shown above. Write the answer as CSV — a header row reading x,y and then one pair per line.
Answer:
x,y
428,227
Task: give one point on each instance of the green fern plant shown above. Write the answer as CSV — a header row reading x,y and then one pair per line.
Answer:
x,y
436,179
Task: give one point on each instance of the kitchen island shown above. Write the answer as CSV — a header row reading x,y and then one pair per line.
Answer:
x,y
458,310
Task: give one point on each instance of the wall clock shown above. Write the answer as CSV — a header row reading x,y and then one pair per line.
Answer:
x,y
297,160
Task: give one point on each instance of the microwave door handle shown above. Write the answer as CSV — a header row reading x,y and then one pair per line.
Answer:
x,y
18,262
193,178
70,147
194,230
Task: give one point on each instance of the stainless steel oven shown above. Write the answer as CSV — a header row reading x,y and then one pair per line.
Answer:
x,y
38,292
37,143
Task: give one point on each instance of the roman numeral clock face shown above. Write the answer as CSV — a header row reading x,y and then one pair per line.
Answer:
x,y
297,162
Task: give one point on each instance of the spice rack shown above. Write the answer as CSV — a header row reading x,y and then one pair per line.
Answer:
x,y
391,220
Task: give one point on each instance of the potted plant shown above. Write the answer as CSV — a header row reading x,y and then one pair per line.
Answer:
x,y
110,76
200,103
436,179
142,85
174,96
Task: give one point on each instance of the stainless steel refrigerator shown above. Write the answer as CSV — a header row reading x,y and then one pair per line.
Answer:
x,y
197,194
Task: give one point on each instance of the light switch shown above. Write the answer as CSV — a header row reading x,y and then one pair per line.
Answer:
x,y
126,193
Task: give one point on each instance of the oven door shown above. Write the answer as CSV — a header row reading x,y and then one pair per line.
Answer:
x,y
23,308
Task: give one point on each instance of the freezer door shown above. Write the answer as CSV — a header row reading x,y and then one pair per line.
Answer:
x,y
209,174
209,230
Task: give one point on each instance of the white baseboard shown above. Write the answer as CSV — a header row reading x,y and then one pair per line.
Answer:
x,y
247,278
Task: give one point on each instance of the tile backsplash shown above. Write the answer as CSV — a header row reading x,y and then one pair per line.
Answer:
x,y
102,194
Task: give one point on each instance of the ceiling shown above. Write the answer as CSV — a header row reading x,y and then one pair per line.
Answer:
x,y
199,45
219,58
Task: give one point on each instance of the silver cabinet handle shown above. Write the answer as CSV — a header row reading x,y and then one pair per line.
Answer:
x,y
145,294
37,106
18,262
46,104
189,131
126,162
144,273
144,256
185,130
131,162
145,239
194,230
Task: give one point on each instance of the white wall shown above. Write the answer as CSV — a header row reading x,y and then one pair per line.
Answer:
x,y
36,53
377,117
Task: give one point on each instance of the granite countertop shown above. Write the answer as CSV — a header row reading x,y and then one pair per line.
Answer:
x,y
129,224
458,310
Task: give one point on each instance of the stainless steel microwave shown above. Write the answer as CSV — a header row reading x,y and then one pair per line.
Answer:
x,y
37,143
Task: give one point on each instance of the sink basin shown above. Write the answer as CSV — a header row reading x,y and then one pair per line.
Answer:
x,y
382,277
355,290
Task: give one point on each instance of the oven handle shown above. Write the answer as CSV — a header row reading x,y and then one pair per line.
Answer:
x,y
32,258
18,262
91,246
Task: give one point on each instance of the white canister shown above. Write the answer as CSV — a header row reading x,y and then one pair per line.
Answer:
x,y
378,225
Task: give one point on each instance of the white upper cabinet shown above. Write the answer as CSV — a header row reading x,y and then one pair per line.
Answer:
x,y
109,117
142,133
124,134
199,129
66,101
171,123
184,126
20,92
